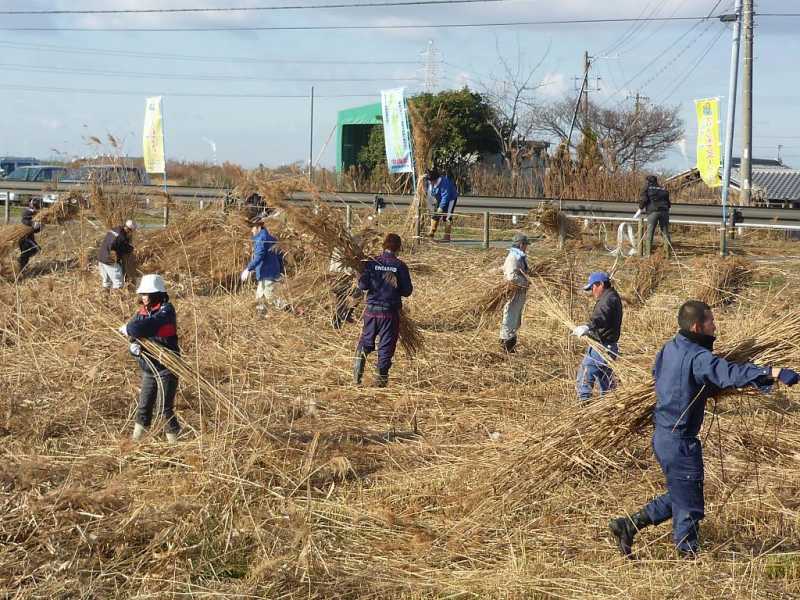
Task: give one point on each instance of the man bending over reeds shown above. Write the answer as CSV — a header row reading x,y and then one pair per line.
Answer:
x,y
686,374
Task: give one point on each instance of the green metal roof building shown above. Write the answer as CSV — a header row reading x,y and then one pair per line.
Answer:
x,y
353,126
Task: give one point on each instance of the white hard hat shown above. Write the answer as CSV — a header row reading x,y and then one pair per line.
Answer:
x,y
150,284
131,224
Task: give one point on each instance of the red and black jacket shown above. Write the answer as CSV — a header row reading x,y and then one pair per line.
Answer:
x,y
159,324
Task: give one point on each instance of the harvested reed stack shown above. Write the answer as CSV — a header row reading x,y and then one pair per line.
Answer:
x,y
426,132
721,279
553,221
645,275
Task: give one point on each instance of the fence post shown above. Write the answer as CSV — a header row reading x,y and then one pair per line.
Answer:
x,y
486,217
348,217
166,214
562,231
7,209
202,204
640,237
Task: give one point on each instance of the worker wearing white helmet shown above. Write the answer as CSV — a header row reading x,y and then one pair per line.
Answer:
x,y
155,321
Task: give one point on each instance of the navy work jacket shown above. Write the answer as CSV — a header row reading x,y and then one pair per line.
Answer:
x,y
386,280
159,324
687,374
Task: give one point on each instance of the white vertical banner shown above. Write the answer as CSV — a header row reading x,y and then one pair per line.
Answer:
x,y
396,132
153,137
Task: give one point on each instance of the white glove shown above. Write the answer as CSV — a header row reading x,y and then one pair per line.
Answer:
x,y
123,329
637,214
135,349
245,275
580,330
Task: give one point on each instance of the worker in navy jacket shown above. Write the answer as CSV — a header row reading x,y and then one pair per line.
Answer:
x,y
154,321
27,245
604,327
654,201
686,374
267,265
444,195
386,281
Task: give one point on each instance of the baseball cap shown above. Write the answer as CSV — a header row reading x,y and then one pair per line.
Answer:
x,y
596,277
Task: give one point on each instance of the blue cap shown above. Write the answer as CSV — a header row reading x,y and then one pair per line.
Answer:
x,y
596,277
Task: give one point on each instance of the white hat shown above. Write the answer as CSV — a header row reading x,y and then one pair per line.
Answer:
x,y
131,224
150,284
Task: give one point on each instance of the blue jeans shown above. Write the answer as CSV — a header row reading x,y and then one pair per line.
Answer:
x,y
681,460
595,369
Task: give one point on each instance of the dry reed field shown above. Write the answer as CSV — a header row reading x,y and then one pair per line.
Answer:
x,y
473,475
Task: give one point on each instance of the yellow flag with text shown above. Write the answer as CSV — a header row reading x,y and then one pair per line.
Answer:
x,y
153,137
709,153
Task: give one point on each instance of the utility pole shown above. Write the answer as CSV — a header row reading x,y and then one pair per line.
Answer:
x,y
746,164
586,65
638,98
311,140
736,19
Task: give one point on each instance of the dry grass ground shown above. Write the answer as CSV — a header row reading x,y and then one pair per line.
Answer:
x,y
291,482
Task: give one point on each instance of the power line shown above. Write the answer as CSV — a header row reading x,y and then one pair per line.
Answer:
x,y
105,92
193,77
232,9
608,20
198,58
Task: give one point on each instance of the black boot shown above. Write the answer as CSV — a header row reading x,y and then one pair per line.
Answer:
x,y
624,529
381,378
358,366
508,345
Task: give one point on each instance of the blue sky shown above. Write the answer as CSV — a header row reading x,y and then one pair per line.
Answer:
x,y
58,83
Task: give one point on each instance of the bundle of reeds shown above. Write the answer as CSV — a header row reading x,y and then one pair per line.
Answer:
x,y
645,276
496,297
553,221
411,338
112,208
722,279
426,132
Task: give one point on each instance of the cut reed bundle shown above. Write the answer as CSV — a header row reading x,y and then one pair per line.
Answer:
x,y
645,275
553,221
411,338
722,279
112,208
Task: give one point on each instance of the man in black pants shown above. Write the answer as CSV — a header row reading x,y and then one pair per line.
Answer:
x,y
654,201
27,245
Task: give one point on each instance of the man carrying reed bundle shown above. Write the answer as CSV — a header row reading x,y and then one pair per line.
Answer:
x,y
515,271
386,280
605,326
654,201
155,321
267,264
444,195
27,245
686,373
115,249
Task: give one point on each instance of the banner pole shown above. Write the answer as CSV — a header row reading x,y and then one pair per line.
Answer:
x,y
164,146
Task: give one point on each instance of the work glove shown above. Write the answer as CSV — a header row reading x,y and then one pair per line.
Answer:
x,y
788,377
439,210
245,275
637,214
37,227
580,330
123,329
135,349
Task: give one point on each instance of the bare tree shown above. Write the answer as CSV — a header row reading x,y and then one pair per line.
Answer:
x,y
510,94
628,137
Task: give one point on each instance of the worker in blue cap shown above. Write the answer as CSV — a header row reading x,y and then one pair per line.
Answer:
x,y
686,374
604,327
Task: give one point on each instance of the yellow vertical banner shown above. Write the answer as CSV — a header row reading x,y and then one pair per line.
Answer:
x,y
153,137
709,152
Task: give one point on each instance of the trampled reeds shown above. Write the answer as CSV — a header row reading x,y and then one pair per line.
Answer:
x,y
721,279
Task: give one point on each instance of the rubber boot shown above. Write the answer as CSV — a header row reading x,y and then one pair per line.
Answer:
x,y
433,228
138,432
508,345
358,366
381,378
448,227
172,438
624,529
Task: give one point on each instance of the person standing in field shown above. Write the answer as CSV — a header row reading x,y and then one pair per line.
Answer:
x,y
444,195
268,266
654,201
515,270
27,245
687,373
115,249
386,280
604,327
155,321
